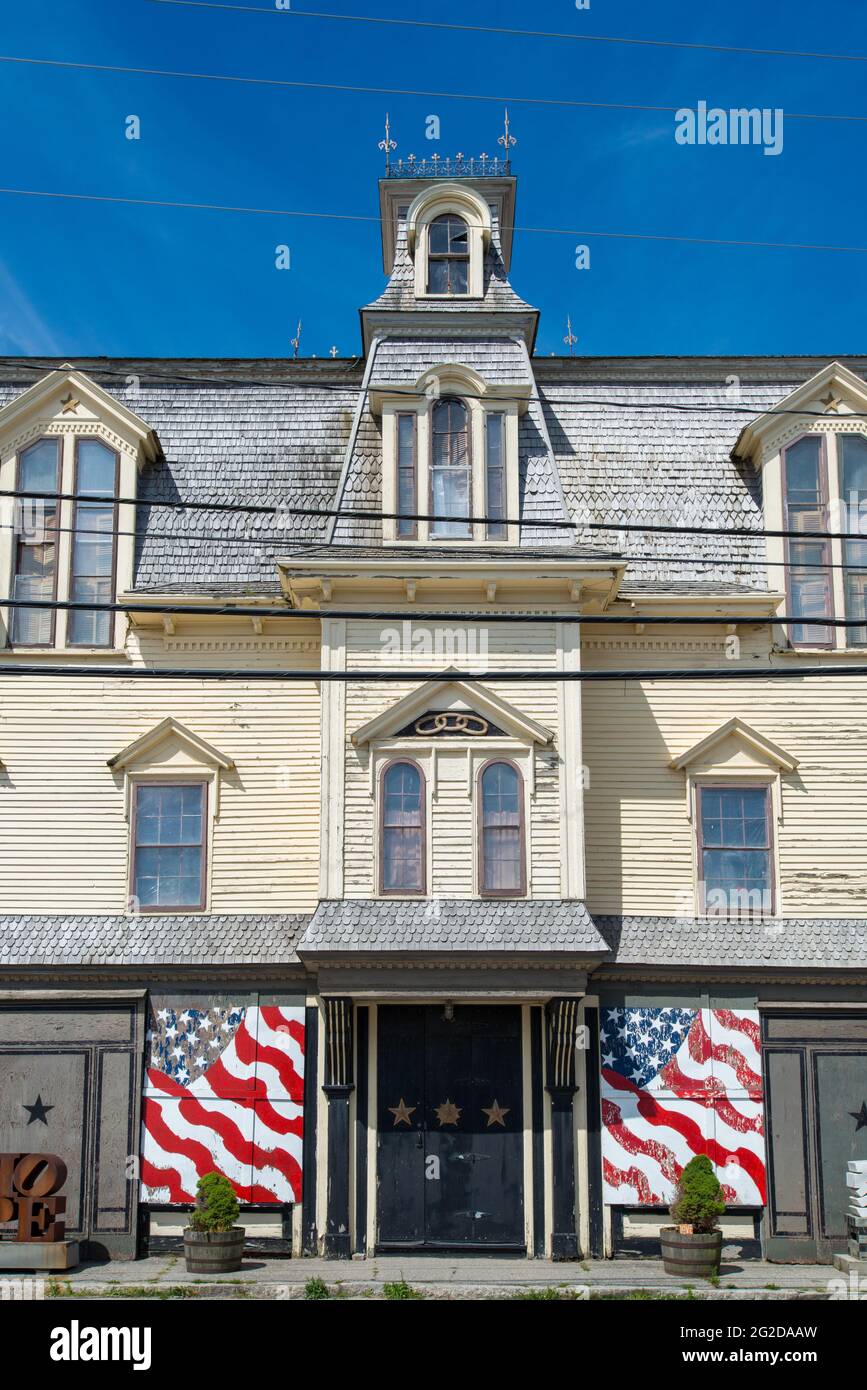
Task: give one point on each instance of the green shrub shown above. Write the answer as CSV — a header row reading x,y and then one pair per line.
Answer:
x,y
698,1201
217,1206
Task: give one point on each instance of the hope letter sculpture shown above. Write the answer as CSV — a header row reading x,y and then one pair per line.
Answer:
x,y
28,1184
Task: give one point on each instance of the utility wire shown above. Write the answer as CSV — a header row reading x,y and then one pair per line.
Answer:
x,y
352,217
678,407
240,610
391,91
517,33
361,514
747,673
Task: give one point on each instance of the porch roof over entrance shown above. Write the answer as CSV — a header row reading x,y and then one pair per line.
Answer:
x,y
455,925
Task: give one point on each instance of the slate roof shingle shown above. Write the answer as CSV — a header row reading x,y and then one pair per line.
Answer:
x,y
452,924
161,940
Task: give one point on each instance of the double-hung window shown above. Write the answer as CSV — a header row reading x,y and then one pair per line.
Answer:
x,y
450,471
853,488
36,548
93,543
735,851
169,846
810,590
501,831
402,831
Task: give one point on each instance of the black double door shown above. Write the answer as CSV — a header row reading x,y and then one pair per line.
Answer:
x,y
450,1128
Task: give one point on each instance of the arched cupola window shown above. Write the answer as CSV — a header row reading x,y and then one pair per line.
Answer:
x,y
402,836
448,255
502,857
450,470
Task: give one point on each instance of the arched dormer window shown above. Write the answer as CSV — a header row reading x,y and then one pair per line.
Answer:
x,y
502,852
35,574
402,829
448,255
450,469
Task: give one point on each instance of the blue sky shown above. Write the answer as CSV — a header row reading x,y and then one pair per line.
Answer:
x,y
92,278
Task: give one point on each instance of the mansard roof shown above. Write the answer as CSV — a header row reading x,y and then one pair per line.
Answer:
x,y
278,432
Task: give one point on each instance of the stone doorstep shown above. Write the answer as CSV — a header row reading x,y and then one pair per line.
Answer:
x,y
367,1291
848,1264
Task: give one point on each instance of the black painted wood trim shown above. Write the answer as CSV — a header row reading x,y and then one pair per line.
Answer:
x,y
362,1030
538,1131
309,1241
594,1135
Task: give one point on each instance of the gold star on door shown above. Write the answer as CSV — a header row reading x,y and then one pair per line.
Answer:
x,y
496,1113
402,1113
448,1113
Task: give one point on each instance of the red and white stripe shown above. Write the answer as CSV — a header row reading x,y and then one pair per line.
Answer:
x,y
243,1117
707,1099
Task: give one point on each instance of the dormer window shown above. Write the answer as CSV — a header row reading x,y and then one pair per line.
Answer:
x,y
805,489
451,453
450,472
448,255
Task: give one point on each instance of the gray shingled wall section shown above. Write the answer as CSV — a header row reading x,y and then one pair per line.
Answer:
x,y
194,939
399,293
785,944
452,924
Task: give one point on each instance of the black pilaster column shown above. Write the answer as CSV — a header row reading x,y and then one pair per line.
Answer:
x,y
562,1021
339,1085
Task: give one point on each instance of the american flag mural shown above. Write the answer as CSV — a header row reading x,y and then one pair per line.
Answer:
x,y
224,1090
675,1083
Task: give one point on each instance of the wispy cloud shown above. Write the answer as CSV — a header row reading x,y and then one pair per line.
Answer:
x,y
22,330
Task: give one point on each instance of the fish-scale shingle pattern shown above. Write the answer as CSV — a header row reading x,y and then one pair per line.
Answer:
x,y
452,924
399,293
205,939
785,943
664,466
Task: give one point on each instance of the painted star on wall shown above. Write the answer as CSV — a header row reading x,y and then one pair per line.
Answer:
x,y
38,1111
448,1113
402,1112
860,1116
496,1113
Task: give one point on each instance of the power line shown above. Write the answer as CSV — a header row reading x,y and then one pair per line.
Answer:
x,y
362,514
748,673
519,33
232,610
497,99
678,407
356,217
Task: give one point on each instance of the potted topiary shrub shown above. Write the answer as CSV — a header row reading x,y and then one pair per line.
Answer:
x,y
694,1245
213,1244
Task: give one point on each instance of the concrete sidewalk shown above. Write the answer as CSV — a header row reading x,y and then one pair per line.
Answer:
x,y
443,1277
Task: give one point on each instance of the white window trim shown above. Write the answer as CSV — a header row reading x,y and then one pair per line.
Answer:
x,y
463,202
732,777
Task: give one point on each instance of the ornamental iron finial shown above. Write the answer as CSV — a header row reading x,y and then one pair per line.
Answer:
x,y
296,341
507,139
387,144
570,340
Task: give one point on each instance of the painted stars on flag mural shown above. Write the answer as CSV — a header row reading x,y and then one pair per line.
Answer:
x,y
678,1082
224,1091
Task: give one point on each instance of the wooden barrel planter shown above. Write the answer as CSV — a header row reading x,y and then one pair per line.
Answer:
x,y
213,1252
695,1256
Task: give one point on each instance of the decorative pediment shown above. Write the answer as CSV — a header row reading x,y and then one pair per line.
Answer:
x,y
69,398
735,747
834,391
170,746
452,698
